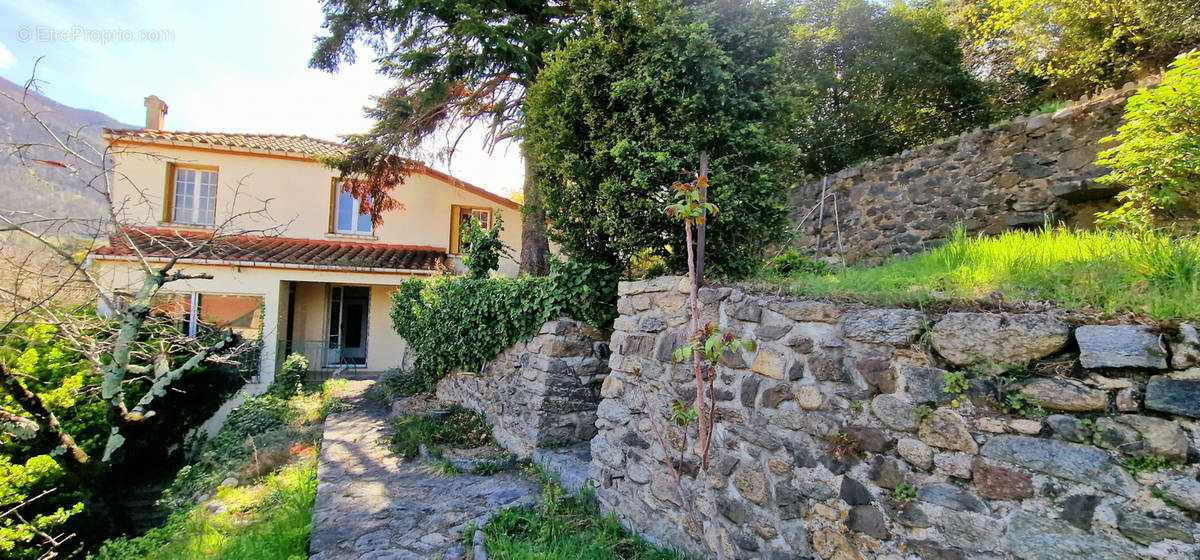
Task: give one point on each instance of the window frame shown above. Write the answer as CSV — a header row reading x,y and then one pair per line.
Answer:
x,y
456,211
170,207
335,197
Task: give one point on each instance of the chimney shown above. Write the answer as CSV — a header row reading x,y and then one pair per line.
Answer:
x,y
156,110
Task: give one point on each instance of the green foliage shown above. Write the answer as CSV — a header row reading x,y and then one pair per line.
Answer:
x,y
1017,403
1158,158
290,380
1077,45
396,383
796,262
459,428
489,467
873,79
955,383
904,493
20,537
461,322
1150,273
1138,464
625,109
483,247
923,412
711,344
564,526
268,521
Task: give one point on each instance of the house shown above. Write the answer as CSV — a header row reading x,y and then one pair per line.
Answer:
x,y
308,273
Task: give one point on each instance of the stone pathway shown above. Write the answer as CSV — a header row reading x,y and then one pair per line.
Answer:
x,y
372,505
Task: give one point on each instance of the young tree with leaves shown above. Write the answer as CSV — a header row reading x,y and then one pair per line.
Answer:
x,y
623,112
456,64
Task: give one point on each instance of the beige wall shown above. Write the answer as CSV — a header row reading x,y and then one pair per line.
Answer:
x,y
385,348
297,195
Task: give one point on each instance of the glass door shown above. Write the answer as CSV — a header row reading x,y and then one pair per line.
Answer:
x,y
347,341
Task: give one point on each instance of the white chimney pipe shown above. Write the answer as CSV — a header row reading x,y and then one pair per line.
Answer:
x,y
156,111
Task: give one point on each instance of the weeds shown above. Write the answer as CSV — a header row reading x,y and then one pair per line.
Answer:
x,y
1149,273
904,493
1138,464
458,428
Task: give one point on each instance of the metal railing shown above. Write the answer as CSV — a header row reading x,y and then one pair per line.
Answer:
x,y
318,353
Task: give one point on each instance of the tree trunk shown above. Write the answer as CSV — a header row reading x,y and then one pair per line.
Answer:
x,y
535,248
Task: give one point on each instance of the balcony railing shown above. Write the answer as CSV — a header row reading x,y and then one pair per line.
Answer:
x,y
319,354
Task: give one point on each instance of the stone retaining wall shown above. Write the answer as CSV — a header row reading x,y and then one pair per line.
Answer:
x,y
1008,175
855,433
540,393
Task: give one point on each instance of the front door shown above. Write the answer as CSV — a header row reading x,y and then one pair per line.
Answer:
x,y
348,325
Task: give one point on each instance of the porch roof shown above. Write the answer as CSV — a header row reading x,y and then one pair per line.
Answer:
x,y
258,250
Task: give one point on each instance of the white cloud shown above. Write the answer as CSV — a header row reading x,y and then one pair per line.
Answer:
x,y
7,60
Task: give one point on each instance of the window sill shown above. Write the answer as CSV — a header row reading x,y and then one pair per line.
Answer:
x,y
351,237
186,227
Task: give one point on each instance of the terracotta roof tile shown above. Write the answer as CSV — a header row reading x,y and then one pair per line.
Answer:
x,y
255,250
297,145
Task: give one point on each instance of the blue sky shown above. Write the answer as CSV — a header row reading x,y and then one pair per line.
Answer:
x,y
221,65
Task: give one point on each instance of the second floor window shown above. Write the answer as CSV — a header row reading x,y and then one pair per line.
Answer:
x,y
195,196
347,218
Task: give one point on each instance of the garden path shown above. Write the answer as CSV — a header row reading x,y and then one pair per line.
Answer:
x,y
373,505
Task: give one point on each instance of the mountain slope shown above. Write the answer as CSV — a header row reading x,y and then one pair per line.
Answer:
x,y
45,189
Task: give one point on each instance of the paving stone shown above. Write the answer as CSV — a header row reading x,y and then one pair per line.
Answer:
x,y
373,505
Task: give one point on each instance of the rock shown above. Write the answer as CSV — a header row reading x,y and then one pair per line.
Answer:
x,y
991,425
1068,428
999,483
930,550
1083,190
769,362
915,453
951,496
1177,396
1032,537
230,482
926,384
1163,438
867,520
752,485
829,544
1062,394
613,411
887,473
1071,461
969,530
946,429
1038,122
1002,338
878,374
871,440
772,332
807,311
895,413
1185,350
1079,509
1146,530
1183,491
775,394
1129,399
910,515
1113,346
854,493
748,310
1025,426
957,465
809,397
749,390
884,326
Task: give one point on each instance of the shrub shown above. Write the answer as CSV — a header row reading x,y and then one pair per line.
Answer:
x,y
460,428
291,377
462,322
796,262
1158,160
483,247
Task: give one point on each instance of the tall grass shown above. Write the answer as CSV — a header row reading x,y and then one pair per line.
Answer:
x,y
1148,273
270,520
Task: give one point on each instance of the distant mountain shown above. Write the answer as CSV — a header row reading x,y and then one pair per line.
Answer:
x,y
46,189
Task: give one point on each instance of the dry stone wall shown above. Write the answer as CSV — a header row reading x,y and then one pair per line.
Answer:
x,y
540,393
1009,175
855,433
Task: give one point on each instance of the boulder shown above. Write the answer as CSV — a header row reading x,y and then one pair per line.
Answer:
x,y
1063,394
1174,395
884,326
1071,461
1115,346
1001,338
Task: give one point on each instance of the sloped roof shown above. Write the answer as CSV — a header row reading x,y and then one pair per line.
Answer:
x,y
270,143
271,252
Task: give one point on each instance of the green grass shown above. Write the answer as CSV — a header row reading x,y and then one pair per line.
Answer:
x,y
1152,274
460,428
270,520
564,526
